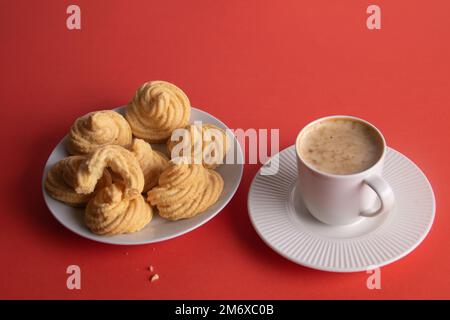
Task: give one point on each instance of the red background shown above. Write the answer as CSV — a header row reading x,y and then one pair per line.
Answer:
x,y
251,63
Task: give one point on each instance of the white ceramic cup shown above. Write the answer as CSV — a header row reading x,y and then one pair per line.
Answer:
x,y
344,199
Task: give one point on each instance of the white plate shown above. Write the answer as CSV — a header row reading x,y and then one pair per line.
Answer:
x,y
280,219
158,229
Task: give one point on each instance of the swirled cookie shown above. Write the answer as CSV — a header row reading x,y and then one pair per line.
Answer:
x,y
185,190
114,211
152,162
121,161
97,129
204,143
60,181
158,107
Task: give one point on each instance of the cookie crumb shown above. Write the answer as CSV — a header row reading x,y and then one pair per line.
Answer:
x,y
154,277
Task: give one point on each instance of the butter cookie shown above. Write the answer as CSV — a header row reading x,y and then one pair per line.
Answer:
x,y
97,129
203,143
185,190
60,181
113,211
158,107
119,160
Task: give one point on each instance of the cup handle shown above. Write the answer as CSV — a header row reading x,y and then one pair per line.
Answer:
x,y
384,193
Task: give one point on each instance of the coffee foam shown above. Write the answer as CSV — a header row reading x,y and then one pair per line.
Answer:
x,y
340,146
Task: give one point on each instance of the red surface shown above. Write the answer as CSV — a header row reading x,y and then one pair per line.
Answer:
x,y
253,64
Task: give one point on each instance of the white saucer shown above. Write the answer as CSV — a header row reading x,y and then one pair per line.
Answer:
x,y
158,229
280,219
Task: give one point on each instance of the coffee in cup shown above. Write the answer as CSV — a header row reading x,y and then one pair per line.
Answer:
x,y
340,162
340,146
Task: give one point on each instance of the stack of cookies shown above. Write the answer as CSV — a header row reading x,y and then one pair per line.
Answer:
x,y
113,171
